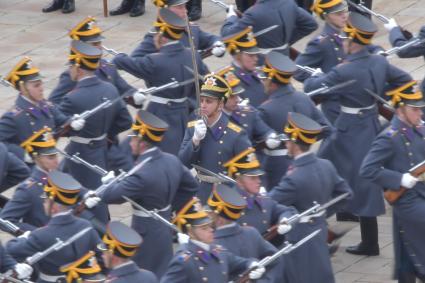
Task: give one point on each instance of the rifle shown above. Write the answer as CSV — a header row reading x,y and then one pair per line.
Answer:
x,y
269,259
362,8
395,50
9,278
5,83
316,208
392,196
226,7
76,158
110,50
385,109
306,69
98,192
55,247
219,178
11,228
326,89
152,213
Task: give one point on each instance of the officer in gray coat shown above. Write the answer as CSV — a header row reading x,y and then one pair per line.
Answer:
x,y
119,246
294,23
200,260
212,140
163,183
202,40
283,98
13,170
161,68
397,149
357,125
309,180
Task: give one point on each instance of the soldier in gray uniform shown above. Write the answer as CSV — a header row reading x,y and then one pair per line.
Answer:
x,y
283,98
13,170
163,183
200,260
227,205
357,125
397,149
326,51
211,141
158,69
309,180
31,111
119,246
294,23
61,194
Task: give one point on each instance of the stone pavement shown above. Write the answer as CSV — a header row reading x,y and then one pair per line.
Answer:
x,y
25,31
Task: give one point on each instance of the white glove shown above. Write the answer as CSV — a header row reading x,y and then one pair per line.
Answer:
x,y
391,24
182,238
283,228
24,270
28,158
77,122
262,191
25,235
108,177
200,131
92,201
272,142
139,98
317,72
231,11
256,273
218,49
244,102
408,181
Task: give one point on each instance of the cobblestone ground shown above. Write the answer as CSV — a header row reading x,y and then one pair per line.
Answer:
x,y
25,31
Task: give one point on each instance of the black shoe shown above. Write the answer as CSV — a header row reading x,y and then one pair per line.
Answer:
x,y
361,249
123,8
138,8
68,6
346,216
53,6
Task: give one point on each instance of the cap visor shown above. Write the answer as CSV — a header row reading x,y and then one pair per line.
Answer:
x,y
252,50
48,151
418,103
255,172
237,90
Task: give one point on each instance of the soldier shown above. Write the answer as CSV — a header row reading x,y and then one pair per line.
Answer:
x,y
357,124
13,170
7,263
243,48
202,40
227,205
61,194
393,153
162,184
87,31
31,111
326,51
119,246
283,98
90,91
310,179
294,23
135,7
67,6
200,260
85,269
158,69
398,38
210,142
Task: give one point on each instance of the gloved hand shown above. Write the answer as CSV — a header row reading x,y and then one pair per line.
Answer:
x,y
77,123
25,235
108,177
139,97
421,34
257,272
200,132
408,181
218,49
231,11
283,228
23,270
244,102
28,158
262,191
317,72
92,200
182,238
391,24
272,142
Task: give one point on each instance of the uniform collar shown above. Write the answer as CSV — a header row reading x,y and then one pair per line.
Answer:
x,y
330,30
217,130
251,199
123,269
282,90
88,81
227,230
171,46
39,175
29,106
305,158
358,55
204,255
407,131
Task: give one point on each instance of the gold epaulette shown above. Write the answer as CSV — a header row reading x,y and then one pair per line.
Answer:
x,y
191,124
234,127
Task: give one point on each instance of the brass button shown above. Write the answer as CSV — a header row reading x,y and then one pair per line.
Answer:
x,y
205,279
225,132
201,268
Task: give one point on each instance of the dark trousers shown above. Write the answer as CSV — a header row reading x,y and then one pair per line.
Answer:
x,y
369,231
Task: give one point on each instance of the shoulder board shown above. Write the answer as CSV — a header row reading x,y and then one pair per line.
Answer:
x,y
391,132
191,124
28,183
234,127
320,38
15,111
219,248
184,256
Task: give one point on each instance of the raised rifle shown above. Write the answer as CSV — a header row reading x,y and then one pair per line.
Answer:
x,y
77,159
5,83
392,196
270,259
413,42
11,228
219,178
314,95
226,7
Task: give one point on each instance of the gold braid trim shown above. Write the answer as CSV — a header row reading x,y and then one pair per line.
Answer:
x,y
297,133
220,206
273,73
144,129
354,33
318,7
397,94
53,191
29,143
233,164
114,244
164,27
74,271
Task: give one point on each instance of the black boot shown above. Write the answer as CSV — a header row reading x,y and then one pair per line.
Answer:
x,y
138,8
123,8
369,233
194,8
68,6
407,278
346,216
53,6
